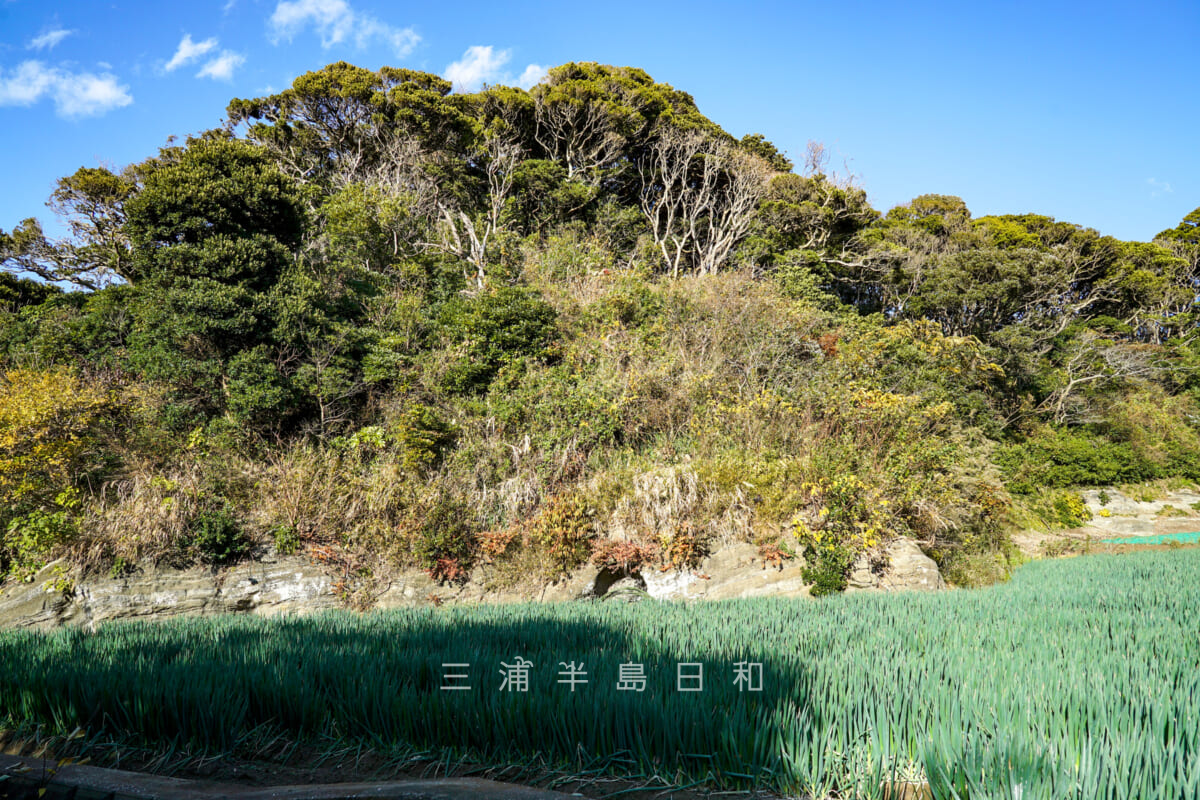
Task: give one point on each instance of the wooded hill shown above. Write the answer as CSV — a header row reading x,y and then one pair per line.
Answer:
x,y
394,325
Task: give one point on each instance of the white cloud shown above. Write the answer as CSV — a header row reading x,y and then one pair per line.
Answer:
x,y
75,94
479,65
189,51
337,22
48,40
401,40
533,75
482,64
221,68
86,95
26,84
1158,187
333,19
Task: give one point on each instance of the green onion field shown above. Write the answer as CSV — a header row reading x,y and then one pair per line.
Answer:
x,y
1079,678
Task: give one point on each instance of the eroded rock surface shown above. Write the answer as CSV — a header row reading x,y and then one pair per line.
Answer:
x,y
904,567
1122,509
279,586
295,585
733,571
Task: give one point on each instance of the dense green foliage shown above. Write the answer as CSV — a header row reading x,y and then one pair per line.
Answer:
x,y
367,300
1078,679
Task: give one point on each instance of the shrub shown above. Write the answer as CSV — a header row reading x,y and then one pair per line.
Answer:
x,y
259,396
1057,458
48,442
827,567
30,538
444,541
421,435
629,302
1155,427
287,539
802,275
568,255
556,405
684,547
1054,508
1069,509
217,538
564,529
494,329
623,556
849,519
46,434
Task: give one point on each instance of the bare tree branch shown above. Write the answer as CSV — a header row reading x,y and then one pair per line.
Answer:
x,y
699,197
578,134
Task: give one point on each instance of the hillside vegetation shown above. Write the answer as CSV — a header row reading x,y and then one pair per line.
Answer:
x,y
390,325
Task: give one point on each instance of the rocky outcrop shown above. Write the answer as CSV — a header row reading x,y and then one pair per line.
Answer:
x,y
734,571
737,570
903,566
295,585
414,587
585,583
1118,504
1115,514
280,585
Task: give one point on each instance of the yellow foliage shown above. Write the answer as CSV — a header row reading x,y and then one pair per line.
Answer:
x,y
885,401
957,354
45,421
844,511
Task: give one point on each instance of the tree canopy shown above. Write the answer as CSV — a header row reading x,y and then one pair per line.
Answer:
x,y
476,303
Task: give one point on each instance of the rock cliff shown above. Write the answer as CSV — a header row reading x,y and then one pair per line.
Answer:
x,y
295,585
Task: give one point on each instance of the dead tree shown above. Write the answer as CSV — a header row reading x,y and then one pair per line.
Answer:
x,y
467,235
1096,361
578,134
739,180
699,197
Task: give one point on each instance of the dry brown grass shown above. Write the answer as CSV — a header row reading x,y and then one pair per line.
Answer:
x,y
144,516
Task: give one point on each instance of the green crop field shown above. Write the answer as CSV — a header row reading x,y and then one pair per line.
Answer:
x,y
1079,678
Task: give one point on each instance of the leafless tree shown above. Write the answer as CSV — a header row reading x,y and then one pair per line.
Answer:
x,y
699,197
1093,360
396,167
467,235
740,181
577,134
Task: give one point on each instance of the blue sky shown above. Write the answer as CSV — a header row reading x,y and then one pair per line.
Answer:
x,y
1087,112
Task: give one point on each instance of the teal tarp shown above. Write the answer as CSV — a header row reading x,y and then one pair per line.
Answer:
x,y
1162,538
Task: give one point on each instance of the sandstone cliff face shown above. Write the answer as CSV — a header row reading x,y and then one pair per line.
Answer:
x,y
739,571
294,585
906,567
276,586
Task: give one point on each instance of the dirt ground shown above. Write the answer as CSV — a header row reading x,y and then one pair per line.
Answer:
x,y
1085,540
292,766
